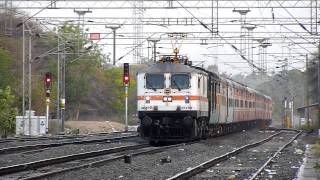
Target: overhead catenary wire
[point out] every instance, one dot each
(24, 21)
(221, 37)
(300, 24)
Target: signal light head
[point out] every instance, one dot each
(48, 80)
(126, 77)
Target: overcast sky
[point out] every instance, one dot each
(282, 38)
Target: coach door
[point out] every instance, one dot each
(214, 116)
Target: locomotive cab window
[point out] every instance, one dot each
(154, 81)
(180, 81)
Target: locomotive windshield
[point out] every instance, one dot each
(154, 81)
(180, 81)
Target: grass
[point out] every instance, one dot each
(316, 152)
(316, 148)
(308, 128)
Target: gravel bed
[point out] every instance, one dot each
(24, 157)
(57, 140)
(243, 165)
(30, 173)
(286, 166)
(151, 166)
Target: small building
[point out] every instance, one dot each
(310, 113)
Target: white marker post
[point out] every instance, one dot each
(47, 113)
(126, 107)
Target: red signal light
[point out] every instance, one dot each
(126, 78)
(48, 80)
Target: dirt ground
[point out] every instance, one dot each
(94, 126)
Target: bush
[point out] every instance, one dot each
(7, 112)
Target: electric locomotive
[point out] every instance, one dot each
(177, 101)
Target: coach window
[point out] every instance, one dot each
(154, 81)
(180, 81)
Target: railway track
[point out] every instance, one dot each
(256, 174)
(62, 159)
(57, 137)
(191, 172)
(118, 153)
(72, 164)
(57, 144)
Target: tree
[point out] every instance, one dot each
(6, 74)
(8, 111)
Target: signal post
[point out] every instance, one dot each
(47, 83)
(126, 80)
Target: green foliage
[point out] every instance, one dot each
(308, 128)
(7, 111)
(117, 95)
(316, 151)
(6, 74)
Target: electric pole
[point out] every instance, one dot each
(154, 48)
(319, 84)
(114, 29)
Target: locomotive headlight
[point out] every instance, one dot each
(186, 99)
(147, 99)
(169, 99)
(165, 99)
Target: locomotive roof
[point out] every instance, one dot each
(169, 67)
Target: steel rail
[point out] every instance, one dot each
(41, 146)
(200, 168)
(254, 175)
(46, 162)
(101, 162)
(57, 137)
(159, 7)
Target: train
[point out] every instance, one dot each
(180, 102)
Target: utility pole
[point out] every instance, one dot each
(243, 13)
(114, 29)
(81, 13)
(307, 91)
(29, 81)
(61, 85)
(292, 119)
(285, 113)
(58, 85)
(319, 84)
(23, 75)
(154, 48)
